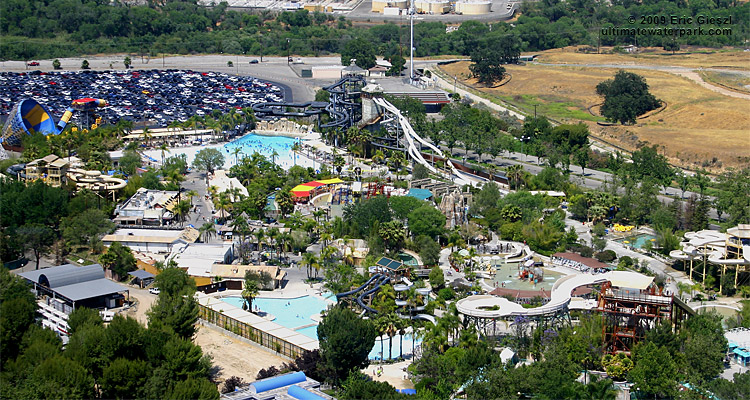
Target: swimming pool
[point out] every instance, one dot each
(291, 313)
(638, 241)
(408, 259)
(265, 145)
(295, 314)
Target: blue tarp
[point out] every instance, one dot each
(279, 381)
(302, 394)
(407, 391)
(421, 194)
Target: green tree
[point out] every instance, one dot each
(119, 259)
(127, 62)
(129, 162)
(655, 372)
(81, 317)
(37, 237)
(62, 378)
(426, 220)
(17, 313)
(194, 388)
(360, 387)
(437, 279)
(429, 250)
(85, 64)
(208, 160)
(361, 50)
(486, 66)
(250, 289)
(392, 234)
(85, 228)
(626, 97)
(345, 342)
(125, 379)
(420, 172)
(56, 64)
(175, 310)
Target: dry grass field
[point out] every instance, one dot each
(698, 128)
(699, 58)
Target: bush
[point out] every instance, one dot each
(231, 384)
(606, 256)
(446, 294)
(625, 262)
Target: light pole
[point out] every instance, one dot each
(455, 80)
(523, 140)
(288, 54)
(411, 42)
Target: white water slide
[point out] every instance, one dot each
(411, 136)
(487, 306)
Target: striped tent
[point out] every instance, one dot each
(303, 190)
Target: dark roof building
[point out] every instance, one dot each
(76, 286)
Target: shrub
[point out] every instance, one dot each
(606, 256)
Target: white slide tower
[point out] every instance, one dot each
(411, 138)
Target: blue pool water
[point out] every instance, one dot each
(297, 314)
(637, 241)
(264, 145)
(290, 313)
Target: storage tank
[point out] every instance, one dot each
(379, 5)
(432, 6)
(473, 7)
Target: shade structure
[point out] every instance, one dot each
(304, 189)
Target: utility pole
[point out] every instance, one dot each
(411, 44)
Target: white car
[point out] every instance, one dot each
(154, 290)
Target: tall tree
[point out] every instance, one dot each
(626, 97)
(345, 342)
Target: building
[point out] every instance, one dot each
(52, 169)
(147, 207)
(224, 184)
(152, 240)
(233, 275)
(76, 286)
(290, 386)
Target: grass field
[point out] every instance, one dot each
(699, 128)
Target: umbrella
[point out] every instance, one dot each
(464, 252)
(303, 190)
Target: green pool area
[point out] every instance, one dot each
(507, 276)
(638, 241)
(408, 259)
(728, 313)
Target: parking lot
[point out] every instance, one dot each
(156, 97)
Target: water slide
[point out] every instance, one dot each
(339, 296)
(94, 180)
(519, 255)
(413, 150)
(698, 244)
(378, 279)
(483, 306)
(29, 116)
(340, 110)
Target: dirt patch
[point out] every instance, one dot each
(700, 128)
(233, 356)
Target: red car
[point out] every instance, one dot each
(33, 64)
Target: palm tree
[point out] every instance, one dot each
(190, 194)
(515, 172)
(181, 211)
(378, 157)
(163, 147)
(146, 134)
(250, 291)
(310, 261)
(381, 325)
(259, 235)
(207, 231)
(235, 152)
(401, 325)
(273, 234)
(273, 156)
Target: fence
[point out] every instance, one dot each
(251, 333)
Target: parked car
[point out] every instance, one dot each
(154, 290)
(253, 61)
(33, 64)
